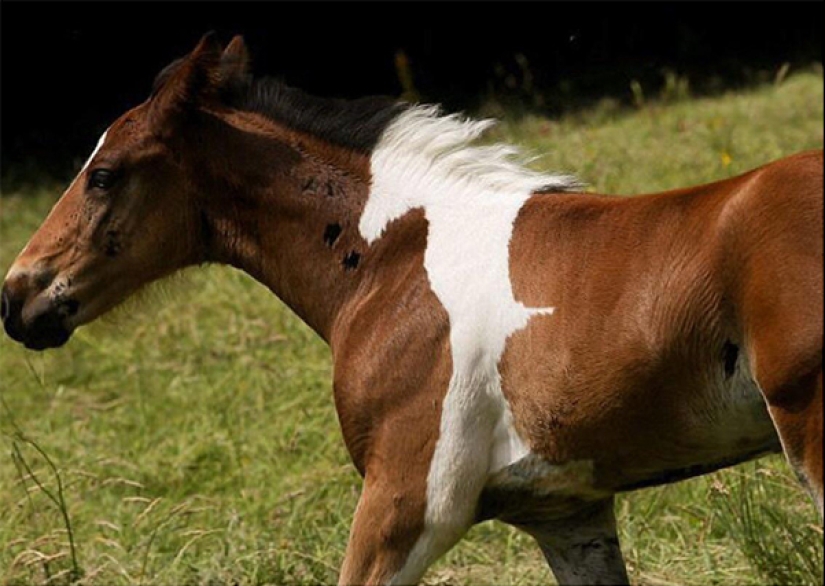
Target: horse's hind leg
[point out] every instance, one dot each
(778, 257)
(786, 359)
(795, 406)
(584, 548)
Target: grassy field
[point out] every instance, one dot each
(192, 439)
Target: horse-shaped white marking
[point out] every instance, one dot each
(471, 197)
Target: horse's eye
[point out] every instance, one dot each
(101, 178)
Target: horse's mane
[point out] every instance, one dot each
(357, 124)
(406, 130)
(431, 145)
(363, 123)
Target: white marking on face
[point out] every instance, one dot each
(97, 148)
(14, 270)
(100, 142)
(471, 197)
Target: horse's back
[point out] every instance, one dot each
(778, 210)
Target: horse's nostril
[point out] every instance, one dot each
(68, 307)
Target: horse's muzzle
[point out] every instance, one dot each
(37, 323)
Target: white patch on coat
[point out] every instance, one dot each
(471, 197)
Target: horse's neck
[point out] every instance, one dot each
(294, 227)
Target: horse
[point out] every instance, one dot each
(505, 345)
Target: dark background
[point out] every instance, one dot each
(70, 68)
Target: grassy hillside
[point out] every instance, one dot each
(192, 437)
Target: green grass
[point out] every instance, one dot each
(192, 438)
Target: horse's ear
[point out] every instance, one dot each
(234, 62)
(187, 82)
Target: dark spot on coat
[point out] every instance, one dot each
(351, 260)
(331, 234)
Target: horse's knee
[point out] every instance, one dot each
(386, 526)
(393, 540)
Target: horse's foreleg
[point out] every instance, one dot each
(387, 523)
(412, 508)
(390, 540)
(583, 548)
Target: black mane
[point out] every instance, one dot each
(355, 124)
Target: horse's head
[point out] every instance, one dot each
(130, 216)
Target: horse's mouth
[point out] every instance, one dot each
(45, 329)
(44, 333)
(51, 338)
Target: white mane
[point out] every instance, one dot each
(423, 155)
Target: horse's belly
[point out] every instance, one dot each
(534, 488)
(718, 424)
(728, 423)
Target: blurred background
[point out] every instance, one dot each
(70, 68)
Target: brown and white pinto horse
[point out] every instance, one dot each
(504, 347)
